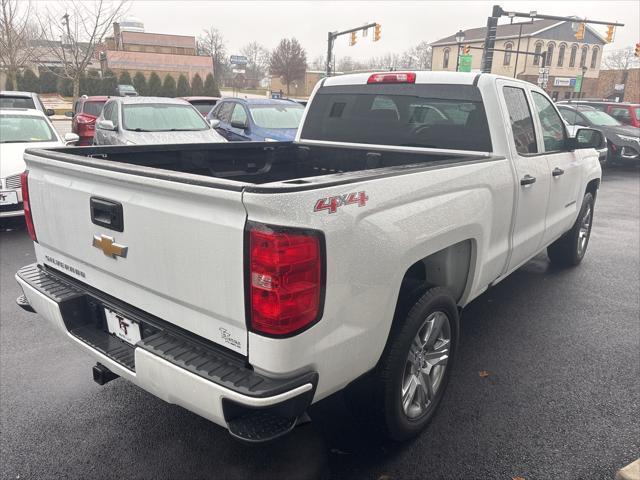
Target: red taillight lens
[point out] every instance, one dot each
(393, 77)
(85, 119)
(286, 280)
(24, 181)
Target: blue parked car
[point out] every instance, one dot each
(257, 120)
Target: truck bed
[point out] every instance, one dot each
(238, 166)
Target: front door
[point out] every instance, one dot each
(532, 174)
(564, 169)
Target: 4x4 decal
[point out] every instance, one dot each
(333, 203)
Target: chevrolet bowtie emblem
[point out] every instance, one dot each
(109, 247)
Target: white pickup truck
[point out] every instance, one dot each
(245, 281)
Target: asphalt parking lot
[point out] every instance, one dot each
(561, 399)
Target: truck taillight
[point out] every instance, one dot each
(285, 279)
(26, 205)
(392, 77)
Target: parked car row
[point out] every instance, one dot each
(623, 139)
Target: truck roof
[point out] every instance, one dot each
(458, 78)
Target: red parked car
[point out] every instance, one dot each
(85, 111)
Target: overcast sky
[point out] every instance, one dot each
(404, 24)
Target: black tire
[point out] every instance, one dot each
(569, 249)
(379, 398)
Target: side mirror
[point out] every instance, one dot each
(238, 124)
(587, 138)
(214, 122)
(71, 138)
(50, 112)
(69, 114)
(106, 125)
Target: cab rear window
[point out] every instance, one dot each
(426, 116)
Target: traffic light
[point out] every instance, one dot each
(377, 32)
(467, 49)
(610, 31)
(637, 54)
(580, 32)
(353, 40)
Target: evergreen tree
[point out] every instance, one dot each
(65, 87)
(210, 87)
(169, 86)
(48, 82)
(140, 83)
(94, 83)
(125, 78)
(109, 83)
(19, 82)
(183, 90)
(197, 88)
(30, 82)
(9, 84)
(154, 86)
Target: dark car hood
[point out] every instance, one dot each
(612, 132)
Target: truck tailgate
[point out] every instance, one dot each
(184, 257)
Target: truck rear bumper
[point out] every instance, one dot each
(171, 364)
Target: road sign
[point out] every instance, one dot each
(238, 60)
(465, 63)
(578, 86)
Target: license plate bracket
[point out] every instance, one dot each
(122, 327)
(9, 197)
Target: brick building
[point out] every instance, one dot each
(619, 84)
(139, 51)
(566, 56)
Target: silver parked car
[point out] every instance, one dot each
(144, 120)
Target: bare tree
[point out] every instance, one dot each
(418, 57)
(257, 59)
(288, 61)
(211, 43)
(72, 29)
(319, 63)
(16, 32)
(622, 59)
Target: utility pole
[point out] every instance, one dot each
(331, 37)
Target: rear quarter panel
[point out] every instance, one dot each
(369, 249)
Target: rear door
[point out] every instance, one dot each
(564, 167)
(532, 173)
(184, 243)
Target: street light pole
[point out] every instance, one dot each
(459, 40)
(584, 70)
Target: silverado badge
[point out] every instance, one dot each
(109, 247)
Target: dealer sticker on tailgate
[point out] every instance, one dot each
(122, 327)
(8, 198)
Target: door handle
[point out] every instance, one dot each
(557, 172)
(527, 180)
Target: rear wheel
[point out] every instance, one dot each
(410, 380)
(569, 249)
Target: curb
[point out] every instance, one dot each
(630, 472)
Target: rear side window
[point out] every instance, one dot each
(426, 116)
(524, 133)
(621, 114)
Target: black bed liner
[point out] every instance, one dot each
(261, 167)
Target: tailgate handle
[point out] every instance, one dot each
(107, 213)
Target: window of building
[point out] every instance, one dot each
(550, 48)
(561, 51)
(445, 58)
(538, 51)
(521, 120)
(594, 57)
(583, 56)
(507, 54)
(572, 58)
